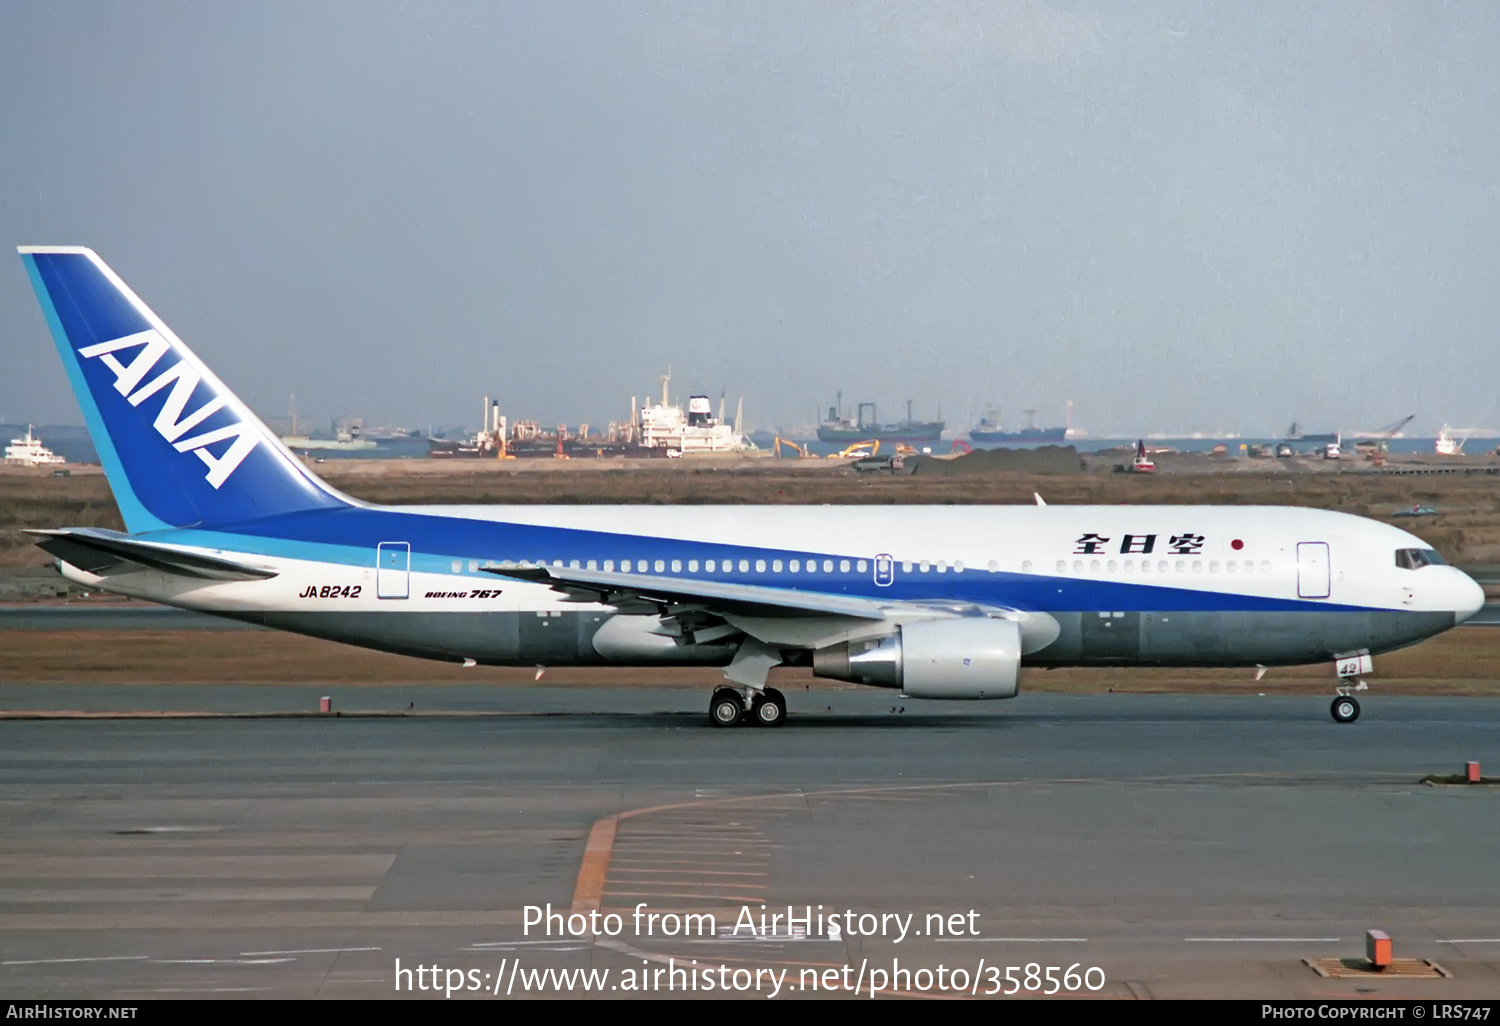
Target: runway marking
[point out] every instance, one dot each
(1262, 940)
(58, 961)
(1472, 940)
(173, 895)
(250, 867)
(1012, 940)
(588, 892)
(306, 951)
(221, 961)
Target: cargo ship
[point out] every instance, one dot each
(865, 426)
(989, 430)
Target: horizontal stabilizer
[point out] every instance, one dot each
(101, 552)
(747, 599)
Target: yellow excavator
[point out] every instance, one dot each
(858, 451)
(800, 450)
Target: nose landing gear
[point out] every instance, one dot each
(1345, 708)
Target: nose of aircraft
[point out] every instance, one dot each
(1468, 596)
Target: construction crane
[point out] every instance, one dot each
(1384, 434)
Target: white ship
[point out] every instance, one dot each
(1448, 443)
(30, 452)
(696, 432)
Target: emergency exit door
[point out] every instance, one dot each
(1313, 573)
(393, 570)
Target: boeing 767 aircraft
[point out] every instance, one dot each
(936, 601)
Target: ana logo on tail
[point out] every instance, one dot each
(170, 422)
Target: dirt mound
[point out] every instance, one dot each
(1044, 459)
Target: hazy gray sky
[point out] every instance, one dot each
(1180, 216)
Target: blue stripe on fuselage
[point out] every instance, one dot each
(348, 537)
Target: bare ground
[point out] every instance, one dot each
(1461, 662)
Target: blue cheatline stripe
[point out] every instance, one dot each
(349, 536)
(136, 517)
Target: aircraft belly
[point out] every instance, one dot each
(1212, 638)
(499, 638)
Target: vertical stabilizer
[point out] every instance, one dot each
(178, 447)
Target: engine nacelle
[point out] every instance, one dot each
(972, 657)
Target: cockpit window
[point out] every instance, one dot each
(1416, 559)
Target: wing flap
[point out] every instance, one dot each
(718, 596)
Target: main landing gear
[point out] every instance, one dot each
(727, 708)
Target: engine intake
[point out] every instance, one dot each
(969, 658)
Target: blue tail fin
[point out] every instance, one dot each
(178, 447)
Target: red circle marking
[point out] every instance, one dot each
(1236, 545)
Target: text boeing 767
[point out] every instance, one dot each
(939, 602)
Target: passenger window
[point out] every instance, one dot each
(1197, 566)
(573, 563)
(557, 562)
(677, 566)
(958, 567)
(1112, 566)
(1093, 566)
(458, 566)
(692, 566)
(1265, 566)
(828, 566)
(1229, 566)
(861, 566)
(924, 566)
(473, 566)
(795, 566)
(906, 566)
(843, 566)
(1129, 566)
(1181, 565)
(609, 566)
(942, 566)
(593, 564)
(708, 565)
(994, 567)
(1145, 566)
(775, 566)
(660, 566)
(760, 566)
(1026, 566)
(1062, 566)
(1213, 566)
(744, 566)
(1078, 566)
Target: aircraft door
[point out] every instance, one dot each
(885, 570)
(1313, 572)
(393, 570)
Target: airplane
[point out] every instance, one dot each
(938, 602)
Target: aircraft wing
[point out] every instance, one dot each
(719, 597)
(102, 552)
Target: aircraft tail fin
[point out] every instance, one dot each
(179, 449)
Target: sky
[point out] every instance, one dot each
(1181, 217)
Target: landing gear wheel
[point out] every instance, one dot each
(1345, 709)
(726, 708)
(768, 709)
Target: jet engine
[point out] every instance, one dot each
(972, 657)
